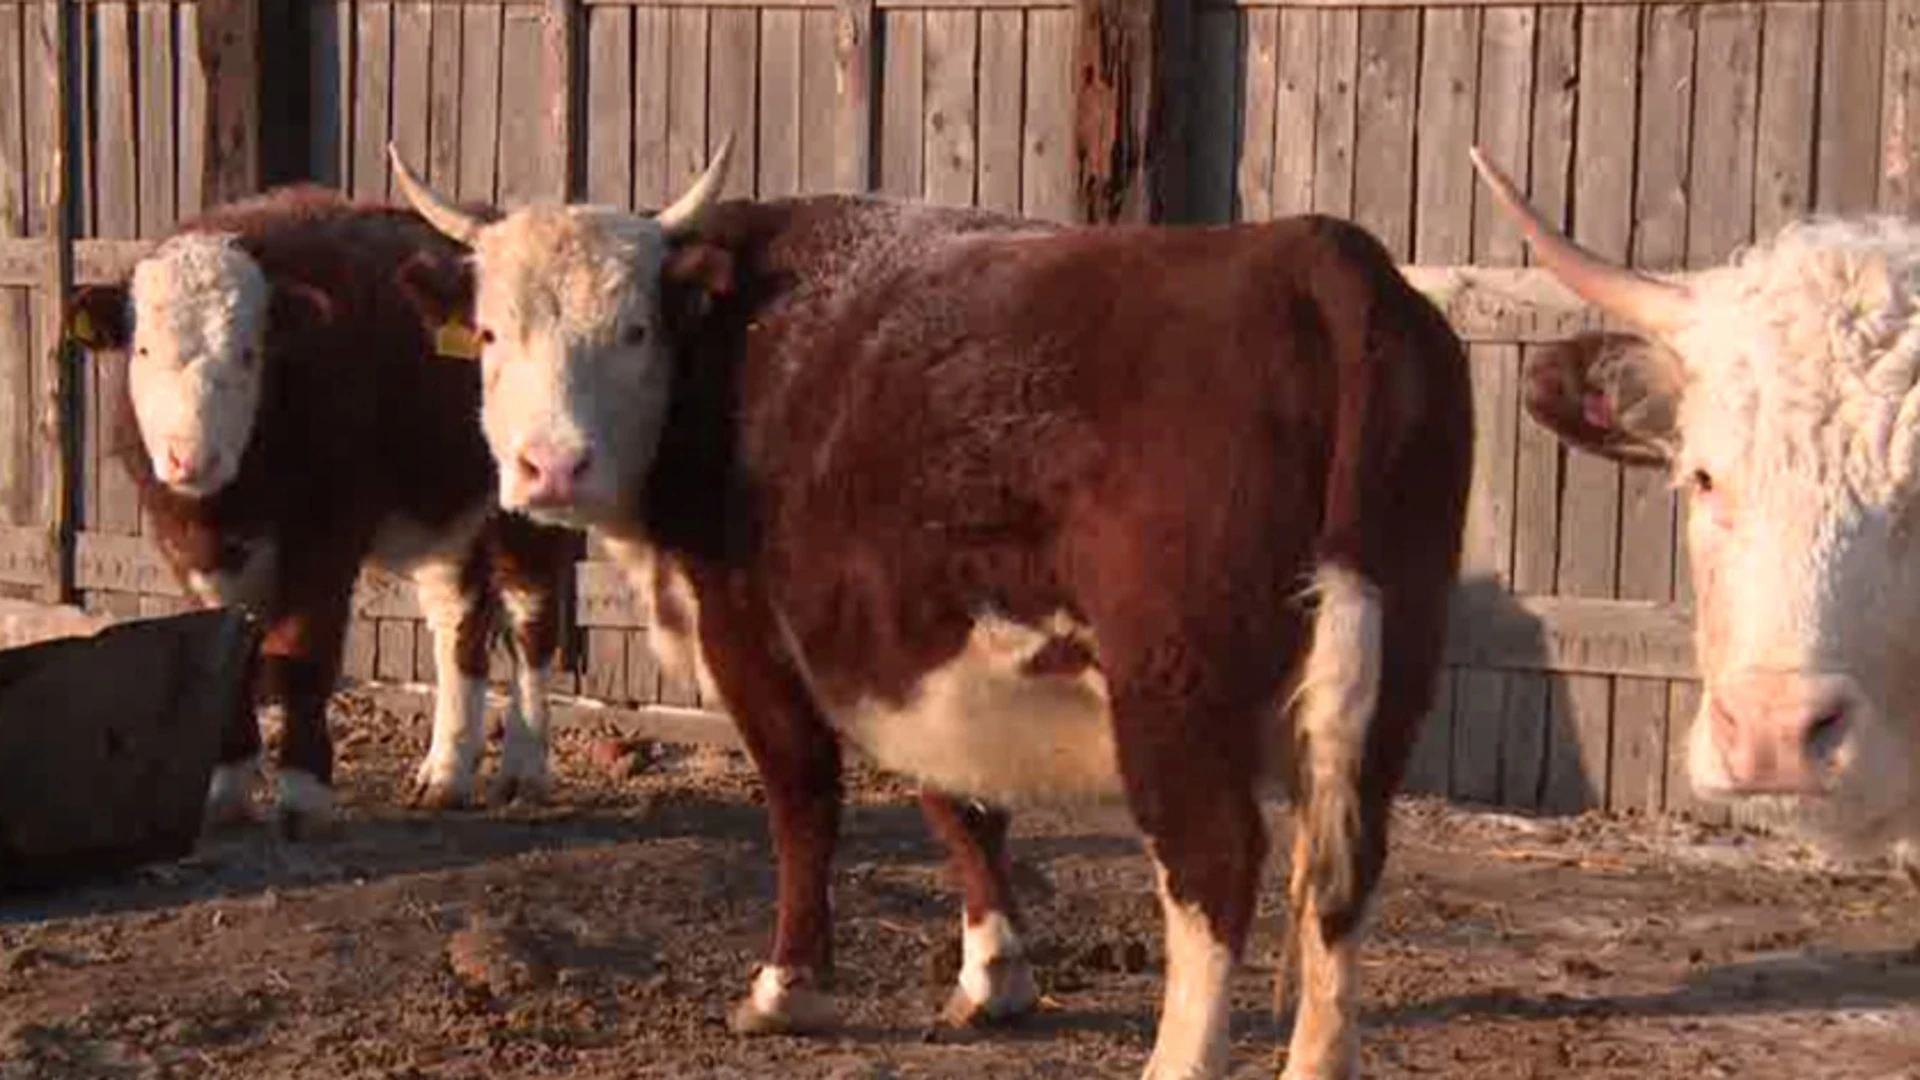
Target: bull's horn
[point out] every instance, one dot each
(439, 211)
(685, 213)
(1654, 305)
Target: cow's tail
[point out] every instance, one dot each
(1332, 705)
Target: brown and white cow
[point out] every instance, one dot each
(286, 418)
(1026, 512)
(1782, 391)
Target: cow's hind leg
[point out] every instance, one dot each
(528, 564)
(453, 597)
(1189, 772)
(996, 979)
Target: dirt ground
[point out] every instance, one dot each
(609, 935)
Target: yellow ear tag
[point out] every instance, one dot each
(456, 339)
(82, 328)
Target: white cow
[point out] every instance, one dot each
(1782, 390)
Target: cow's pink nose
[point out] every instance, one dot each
(1778, 733)
(183, 465)
(549, 472)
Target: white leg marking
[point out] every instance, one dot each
(305, 804)
(1326, 1038)
(230, 792)
(445, 776)
(1192, 1040)
(524, 770)
(996, 980)
(783, 1000)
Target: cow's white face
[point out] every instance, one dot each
(198, 328)
(1783, 393)
(575, 367)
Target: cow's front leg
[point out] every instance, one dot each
(244, 580)
(299, 667)
(740, 645)
(996, 979)
(452, 597)
(528, 567)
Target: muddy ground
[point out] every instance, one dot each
(609, 935)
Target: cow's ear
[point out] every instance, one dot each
(439, 286)
(296, 303)
(1612, 394)
(694, 274)
(97, 317)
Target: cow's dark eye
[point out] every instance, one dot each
(486, 336)
(634, 335)
(1702, 481)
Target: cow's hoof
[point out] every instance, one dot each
(230, 795)
(1009, 993)
(304, 808)
(435, 789)
(530, 788)
(784, 1001)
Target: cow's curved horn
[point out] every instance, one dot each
(1654, 305)
(685, 213)
(439, 211)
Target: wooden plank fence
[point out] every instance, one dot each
(1668, 134)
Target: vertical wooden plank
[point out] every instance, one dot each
(190, 183)
(412, 64)
(1296, 75)
(1428, 763)
(423, 664)
(609, 105)
(116, 503)
(605, 675)
(1260, 96)
(781, 104)
(442, 161)
(368, 175)
(652, 74)
(159, 168)
(49, 76)
(952, 55)
(1333, 114)
(1900, 109)
(1783, 151)
(560, 91)
(1448, 96)
(16, 314)
(686, 98)
(1468, 733)
(818, 103)
(1590, 495)
(1638, 751)
(1216, 115)
(1536, 745)
(480, 81)
(1852, 51)
(856, 79)
(1133, 91)
(528, 153)
(394, 661)
(1003, 54)
(902, 104)
(1047, 167)
(1383, 157)
(361, 645)
(1725, 100)
(730, 104)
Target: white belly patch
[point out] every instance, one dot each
(983, 726)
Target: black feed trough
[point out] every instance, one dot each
(108, 735)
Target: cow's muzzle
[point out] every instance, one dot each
(1781, 733)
